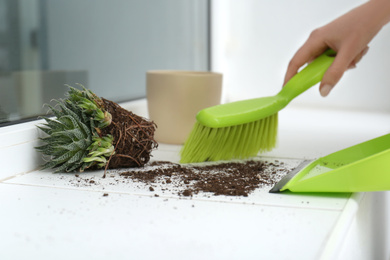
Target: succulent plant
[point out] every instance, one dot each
(84, 134)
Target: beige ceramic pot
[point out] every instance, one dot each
(175, 97)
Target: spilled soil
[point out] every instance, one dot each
(230, 179)
(158, 177)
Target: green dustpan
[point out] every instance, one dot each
(359, 168)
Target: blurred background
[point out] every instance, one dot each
(105, 45)
(109, 45)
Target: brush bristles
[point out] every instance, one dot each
(234, 142)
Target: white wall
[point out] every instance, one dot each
(253, 41)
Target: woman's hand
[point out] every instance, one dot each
(348, 35)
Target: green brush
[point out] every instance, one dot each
(242, 129)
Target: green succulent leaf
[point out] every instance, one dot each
(72, 140)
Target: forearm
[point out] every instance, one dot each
(381, 9)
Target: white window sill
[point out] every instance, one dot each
(46, 216)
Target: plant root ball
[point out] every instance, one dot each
(133, 137)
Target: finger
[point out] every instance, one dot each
(345, 56)
(358, 58)
(312, 48)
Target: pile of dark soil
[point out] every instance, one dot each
(230, 178)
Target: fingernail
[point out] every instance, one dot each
(324, 91)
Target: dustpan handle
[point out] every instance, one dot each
(308, 77)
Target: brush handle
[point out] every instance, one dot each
(308, 77)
